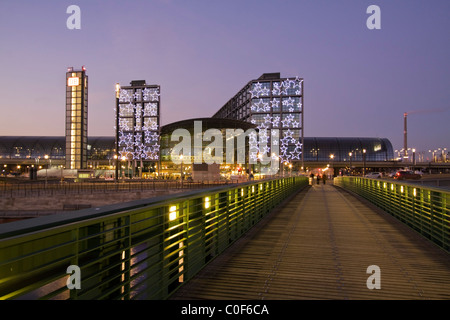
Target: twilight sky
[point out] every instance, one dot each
(358, 82)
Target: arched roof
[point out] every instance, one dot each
(314, 149)
(321, 149)
(207, 123)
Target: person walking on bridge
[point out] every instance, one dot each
(324, 178)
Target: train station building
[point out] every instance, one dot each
(268, 110)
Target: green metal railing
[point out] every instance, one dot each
(144, 249)
(425, 209)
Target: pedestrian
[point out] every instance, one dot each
(318, 179)
(324, 178)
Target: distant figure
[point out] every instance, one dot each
(318, 179)
(324, 178)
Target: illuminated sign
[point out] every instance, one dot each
(74, 81)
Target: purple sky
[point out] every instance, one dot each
(358, 82)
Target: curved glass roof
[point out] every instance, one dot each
(347, 149)
(315, 148)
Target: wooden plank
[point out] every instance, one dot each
(318, 246)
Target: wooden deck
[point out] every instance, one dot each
(318, 245)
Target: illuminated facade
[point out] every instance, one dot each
(347, 151)
(138, 122)
(76, 118)
(275, 106)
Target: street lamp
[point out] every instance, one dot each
(116, 169)
(181, 170)
(332, 164)
(46, 168)
(364, 159)
(123, 168)
(116, 157)
(414, 158)
(350, 155)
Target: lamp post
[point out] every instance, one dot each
(364, 160)
(350, 155)
(123, 168)
(46, 168)
(181, 170)
(116, 157)
(414, 158)
(116, 168)
(332, 164)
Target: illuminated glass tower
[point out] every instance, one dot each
(76, 118)
(138, 123)
(271, 102)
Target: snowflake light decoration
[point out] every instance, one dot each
(279, 102)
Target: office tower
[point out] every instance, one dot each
(76, 118)
(271, 102)
(138, 123)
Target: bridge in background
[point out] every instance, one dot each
(270, 239)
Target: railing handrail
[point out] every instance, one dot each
(50, 221)
(143, 248)
(425, 209)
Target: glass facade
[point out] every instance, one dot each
(348, 149)
(76, 118)
(138, 121)
(240, 151)
(271, 102)
(271, 105)
(26, 147)
(103, 148)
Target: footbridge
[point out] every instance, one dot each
(351, 238)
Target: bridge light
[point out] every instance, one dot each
(207, 202)
(172, 213)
